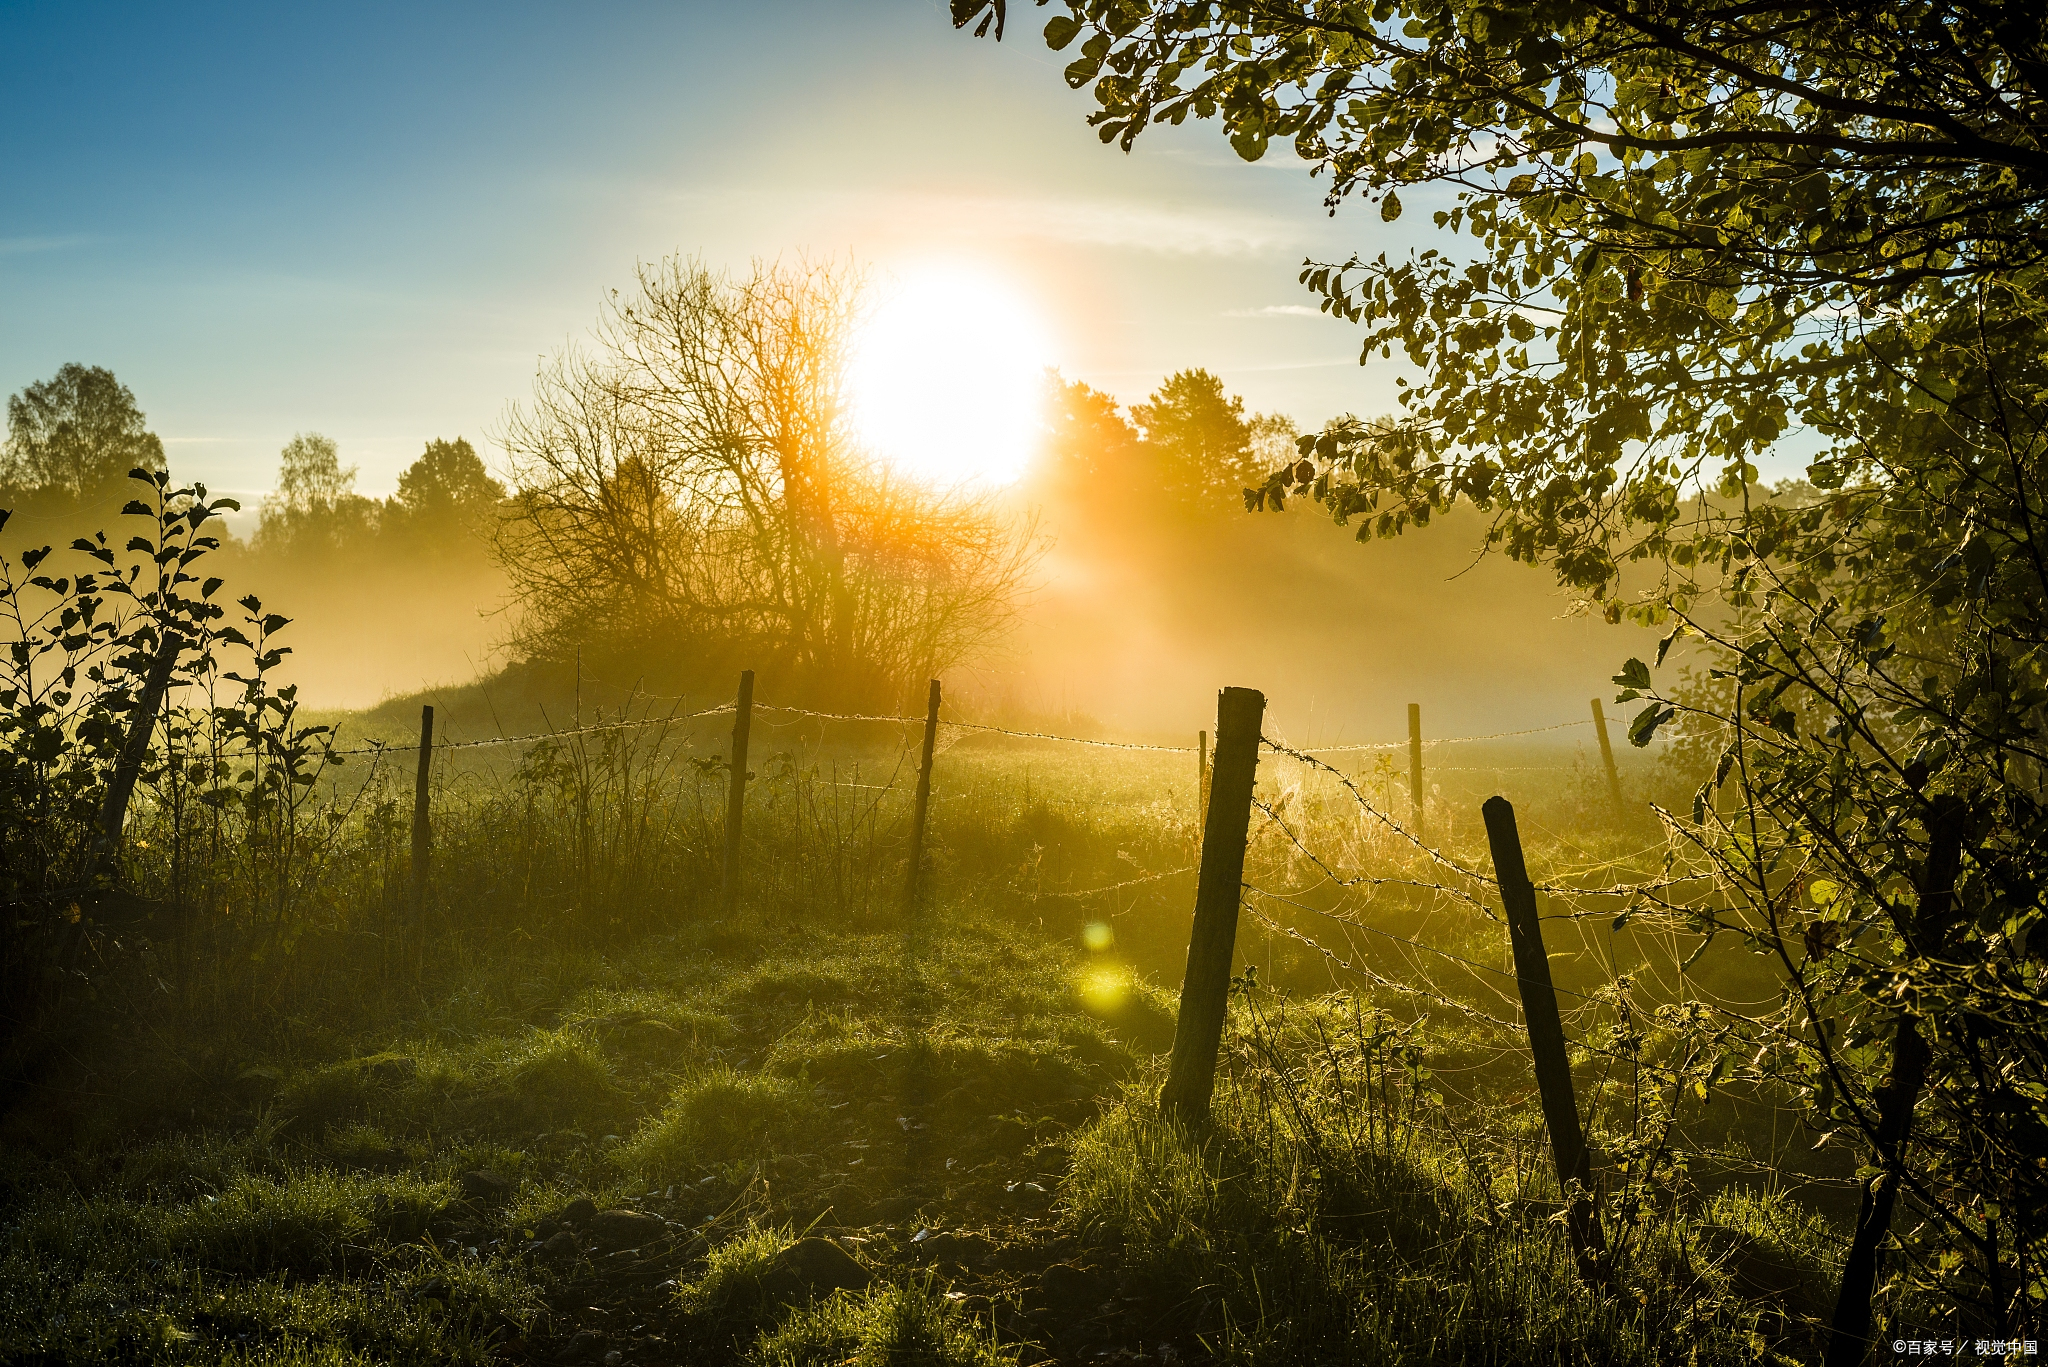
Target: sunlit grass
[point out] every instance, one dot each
(287, 1172)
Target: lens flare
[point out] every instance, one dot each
(1104, 986)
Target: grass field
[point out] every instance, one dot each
(578, 1116)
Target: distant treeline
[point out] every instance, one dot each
(668, 525)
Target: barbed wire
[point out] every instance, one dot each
(1635, 889)
(388, 747)
(1116, 887)
(1506, 973)
(986, 728)
(982, 728)
(1369, 746)
(1367, 880)
(1360, 798)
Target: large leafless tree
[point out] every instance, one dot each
(691, 491)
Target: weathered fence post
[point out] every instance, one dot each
(1415, 766)
(135, 745)
(1607, 757)
(121, 788)
(736, 792)
(1201, 774)
(1849, 1339)
(1546, 1040)
(913, 878)
(422, 825)
(1205, 988)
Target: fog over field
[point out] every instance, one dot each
(998, 685)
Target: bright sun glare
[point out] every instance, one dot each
(947, 378)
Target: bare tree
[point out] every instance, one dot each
(691, 481)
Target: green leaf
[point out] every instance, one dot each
(1059, 31)
(1643, 729)
(1634, 674)
(1390, 207)
(1664, 645)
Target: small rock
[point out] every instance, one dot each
(577, 1211)
(559, 1249)
(616, 1229)
(484, 1185)
(584, 1344)
(614, 1358)
(813, 1267)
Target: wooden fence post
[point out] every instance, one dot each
(1849, 1337)
(135, 746)
(1201, 774)
(1205, 988)
(1415, 766)
(1546, 1040)
(422, 826)
(913, 878)
(1607, 757)
(736, 792)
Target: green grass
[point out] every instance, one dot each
(271, 1163)
(899, 1325)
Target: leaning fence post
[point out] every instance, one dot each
(1205, 989)
(422, 826)
(1607, 757)
(736, 792)
(1546, 1040)
(135, 745)
(1848, 1340)
(1415, 765)
(913, 879)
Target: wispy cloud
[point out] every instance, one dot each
(1275, 311)
(1111, 223)
(1065, 219)
(21, 246)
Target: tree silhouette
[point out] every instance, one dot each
(76, 434)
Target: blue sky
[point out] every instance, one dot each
(370, 220)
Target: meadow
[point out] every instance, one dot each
(567, 1109)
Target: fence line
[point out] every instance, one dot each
(1368, 746)
(1309, 757)
(987, 728)
(386, 747)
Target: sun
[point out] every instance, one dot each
(947, 377)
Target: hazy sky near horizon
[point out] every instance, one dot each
(371, 221)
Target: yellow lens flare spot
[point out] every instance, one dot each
(947, 378)
(1098, 936)
(1104, 986)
